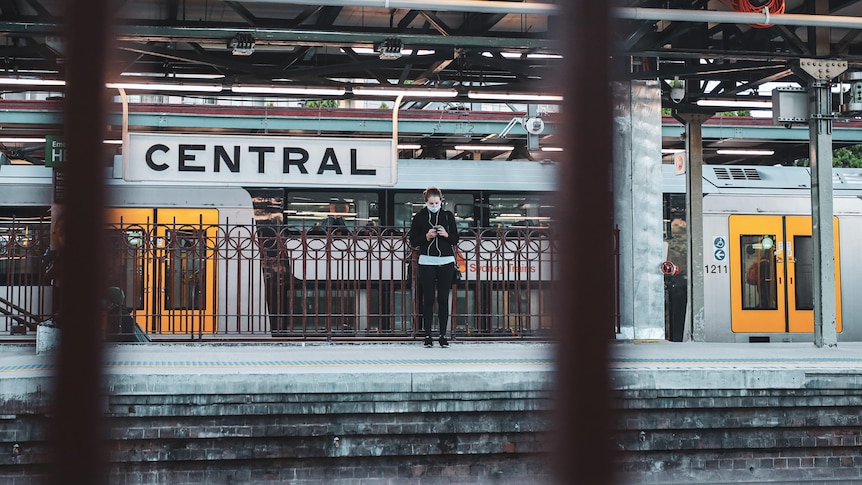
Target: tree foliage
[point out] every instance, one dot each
(844, 157)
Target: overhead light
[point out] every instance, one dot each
(672, 151)
(14, 81)
(289, 90)
(112, 142)
(409, 146)
(552, 149)
(745, 152)
(406, 92)
(242, 44)
(390, 48)
(12, 139)
(734, 103)
(483, 148)
(511, 96)
(171, 87)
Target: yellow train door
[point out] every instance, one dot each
(771, 274)
(800, 275)
(165, 263)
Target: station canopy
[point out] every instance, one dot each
(453, 52)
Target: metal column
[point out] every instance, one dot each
(823, 231)
(638, 208)
(694, 223)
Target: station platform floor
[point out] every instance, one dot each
(643, 364)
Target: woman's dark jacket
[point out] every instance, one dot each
(439, 246)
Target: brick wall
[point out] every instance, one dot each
(739, 435)
(497, 436)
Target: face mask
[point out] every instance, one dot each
(433, 208)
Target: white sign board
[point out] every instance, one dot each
(258, 160)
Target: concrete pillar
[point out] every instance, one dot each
(638, 208)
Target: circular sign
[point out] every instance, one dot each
(669, 268)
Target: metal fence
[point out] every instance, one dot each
(238, 282)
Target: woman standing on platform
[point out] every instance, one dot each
(433, 232)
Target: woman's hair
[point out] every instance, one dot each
(432, 191)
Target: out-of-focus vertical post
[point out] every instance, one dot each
(585, 218)
(78, 440)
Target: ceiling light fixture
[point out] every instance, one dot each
(734, 103)
(16, 81)
(484, 148)
(731, 151)
(409, 146)
(510, 96)
(170, 87)
(393, 92)
(13, 139)
(552, 149)
(288, 90)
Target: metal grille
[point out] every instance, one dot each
(236, 282)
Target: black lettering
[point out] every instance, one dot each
(221, 154)
(158, 167)
(188, 157)
(354, 170)
(299, 162)
(261, 156)
(329, 162)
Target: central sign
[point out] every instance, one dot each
(259, 160)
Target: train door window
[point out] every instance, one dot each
(185, 272)
(804, 273)
(351, 211)
(22, 244)
(758, 270)
(126, 264)
(514, 210)
(408, 204)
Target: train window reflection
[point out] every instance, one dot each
(407, 205)
(125, 264)
(22, 244)
(185, 271)
(758, 272)
(351, 211)
(519, 210)
(804, 278)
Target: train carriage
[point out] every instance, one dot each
(256, 260)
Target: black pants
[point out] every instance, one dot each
(435, 279)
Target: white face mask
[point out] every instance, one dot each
(433, 208)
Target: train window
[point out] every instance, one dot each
(126, 264)
(407, 205)
(22, 244)
(326, 210)
(758, 272)
(185, 271)
(804, 277)
(530, 210)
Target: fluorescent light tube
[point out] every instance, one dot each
(289, 90)
(171, 87)
(731, 151)
(507, 96)
(734, 103)
(11, 81)
(406, 92)
(473, 148)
